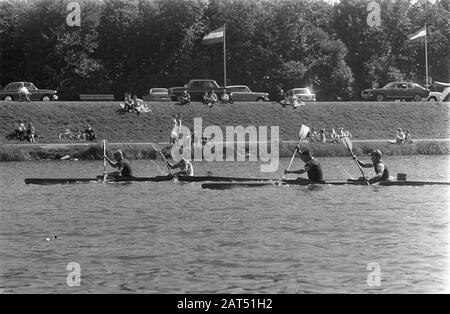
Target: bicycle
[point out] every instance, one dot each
(69, 135)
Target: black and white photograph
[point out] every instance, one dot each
(224, 152)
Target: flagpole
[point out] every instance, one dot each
(224, 59)
(426, 59)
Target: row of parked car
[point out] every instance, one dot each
(197, 87)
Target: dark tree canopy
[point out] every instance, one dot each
(132, 45)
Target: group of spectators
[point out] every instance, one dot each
(133, 104)
(324, 136)
(284, 101)
(403, 137)
(27, 132)
(211, 98)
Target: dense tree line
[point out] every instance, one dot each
(136, 44)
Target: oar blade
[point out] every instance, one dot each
(348, 143)
(303, 133)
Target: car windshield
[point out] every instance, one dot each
(302, 91)
(158, 90)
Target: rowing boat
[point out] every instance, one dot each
(49, 181)
(232, 185)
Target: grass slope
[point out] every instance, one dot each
(366, 120)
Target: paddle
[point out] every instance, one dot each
(349, 145)
(302, 133)
(104, 161)
(164, 158)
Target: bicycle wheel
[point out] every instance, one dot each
(63, 136)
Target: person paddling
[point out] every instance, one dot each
(123, 165)
(186, 168)
(381, 171)
(312, 166)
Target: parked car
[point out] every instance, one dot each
(396, 90)
(303, 94)
(243, 93)
(10, 92)
(434, 96)
(157, 94)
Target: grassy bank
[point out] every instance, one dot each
(366, 120)
(146, 151)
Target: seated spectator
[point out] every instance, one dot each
(20, 130)
(31, 132)
(225, 98)
(340, 132)
(213, 96)
(210, 98)
(128, 105)
(400, 136)
(205, 100)
(334, 136)
(322, 136)
(280, 97)
(24, 92)
(408, 138)
(295, 102)
(138, 105)
(185, 99)
(314, 137)
(89, 133)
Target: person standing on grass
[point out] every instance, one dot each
(176, 127)
(23, 91)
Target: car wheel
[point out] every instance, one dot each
(417, 98)
(432, 99)
(380, 97)
(45, 98)
(8, 98)
(259, 100)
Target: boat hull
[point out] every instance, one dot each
(49, 181)
(233, 185)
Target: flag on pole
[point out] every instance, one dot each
(216, 36)
(419, 34)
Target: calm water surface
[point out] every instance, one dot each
(177, 238)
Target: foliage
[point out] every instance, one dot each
(132, 45)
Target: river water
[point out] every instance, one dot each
(178, 238)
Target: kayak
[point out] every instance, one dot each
(49, 181)
(232, 185)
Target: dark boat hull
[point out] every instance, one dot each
(232, 185)
(49, 181)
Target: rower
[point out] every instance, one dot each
(381, 171)
(186, 168)
(312, 166)
(123, 165)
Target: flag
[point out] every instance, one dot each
(216, 36)
(419, 34)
